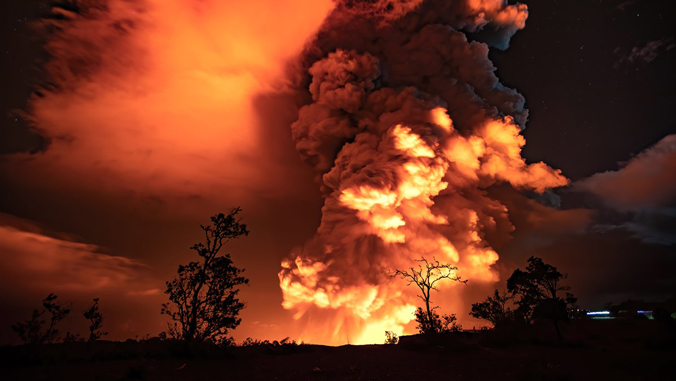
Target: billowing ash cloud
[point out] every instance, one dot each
(407, 127)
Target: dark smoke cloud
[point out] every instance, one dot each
(407, 128)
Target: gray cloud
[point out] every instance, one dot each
(640, 197)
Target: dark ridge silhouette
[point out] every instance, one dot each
(627, 349)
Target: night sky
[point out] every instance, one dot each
(598, 81)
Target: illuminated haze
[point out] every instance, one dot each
(169, 84)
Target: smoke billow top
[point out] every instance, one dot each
(407, 128)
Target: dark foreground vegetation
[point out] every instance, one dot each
(538, 334)
(623, 349)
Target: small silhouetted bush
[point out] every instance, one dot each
(72, 338)
(31, 331)
(391, 337)
(95, 317)
(449, 323)
(432, 323)
(284, 346)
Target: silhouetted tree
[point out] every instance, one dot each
(538, 288)
(95, 317)
(426, 276)
(31, 332)
(204, 294)
(494, 308)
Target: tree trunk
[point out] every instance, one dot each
(430, 326)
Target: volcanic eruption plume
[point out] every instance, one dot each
(407, 128)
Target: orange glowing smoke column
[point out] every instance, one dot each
(407, 127)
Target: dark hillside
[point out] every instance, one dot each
(596, 350)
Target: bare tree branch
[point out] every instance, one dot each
(426, 276)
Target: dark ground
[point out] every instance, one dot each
(594, 350)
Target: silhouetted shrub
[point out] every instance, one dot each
(31, 331)
(391, 338)
(284, 346)
(93, 314)
(72, 338)
(449, 323)
(494, 309)
(432, 323)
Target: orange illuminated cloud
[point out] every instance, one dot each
(35, 263)
(31, 260)
(156, 97)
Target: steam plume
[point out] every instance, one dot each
(407, 127)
